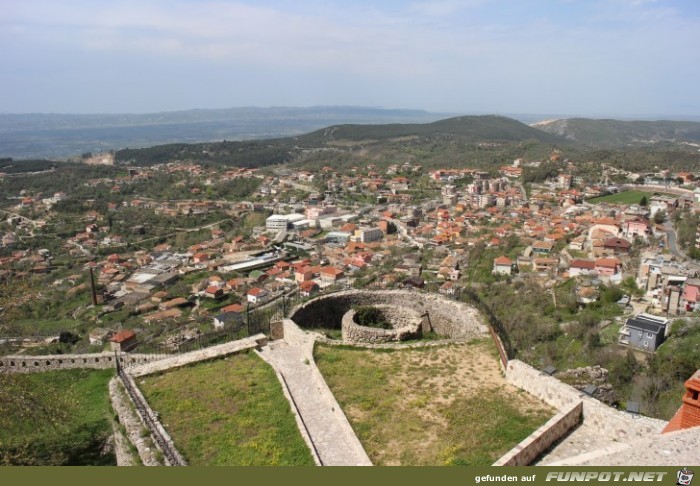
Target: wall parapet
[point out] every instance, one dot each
(540, 440)
(36, 364)
(609, 422)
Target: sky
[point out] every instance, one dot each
(585, 57)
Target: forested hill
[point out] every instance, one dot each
(259, 153)
(619, 134)
(472, 129)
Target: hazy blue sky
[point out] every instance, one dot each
(591, 57)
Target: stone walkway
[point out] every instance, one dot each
(330, 432)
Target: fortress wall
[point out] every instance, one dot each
(609, 422)
(449, 318)
(540, 440)
(35, 364)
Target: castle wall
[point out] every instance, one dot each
(449, 318)
(607, 421)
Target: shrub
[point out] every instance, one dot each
(370, 316)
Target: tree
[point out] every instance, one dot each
(659, 216)
(644, 202)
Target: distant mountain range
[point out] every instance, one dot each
(57, 136)
(619, 134)
(62, 136)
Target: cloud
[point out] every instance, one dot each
(443, 52)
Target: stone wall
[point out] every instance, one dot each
(232, 347)
(405, 322)
(448, 318)
(540, 440)
(34, 364)
(608, 422)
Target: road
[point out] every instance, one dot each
(673, 246)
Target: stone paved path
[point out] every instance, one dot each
(329, 429)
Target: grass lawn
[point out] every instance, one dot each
(624, 197)
(56, 418)
(435, 406)
(228, 412)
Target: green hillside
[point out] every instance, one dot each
(616, 133)
(467, 128)
(261, 153)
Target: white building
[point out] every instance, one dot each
(282, 222)
(368, 235)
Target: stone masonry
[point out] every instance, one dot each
(455, 320)
(406, 324)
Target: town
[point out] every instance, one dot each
(164, 254)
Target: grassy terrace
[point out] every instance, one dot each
(227, 412)
(56, 418)
(433, 406)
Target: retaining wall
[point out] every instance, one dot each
(540, 440)
(608, 422)
(449, 318)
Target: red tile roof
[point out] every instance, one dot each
(123, 336)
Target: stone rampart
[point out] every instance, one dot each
(608, 422)
(405, 323)
(35, 364)
(232, 347)
(448, 318)
(540, 440)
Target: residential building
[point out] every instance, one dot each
(124, 340)
(502, 265)
(256, 295)
(581, 267)
(644, 331)
(368, 235)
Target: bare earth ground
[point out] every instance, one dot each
(443, 405)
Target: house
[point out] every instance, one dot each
(543, 264)
(542, 247)
(644, 331)
(502, 265)
(213, 292)
(331, 274)
(308, 289)
(691, 294)
(617, 245)
(227, 318)
(257, 295)
(124, 340)
(581, 267)
(237, 308)
(635, 227)
(607, 267)
(578, 243)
